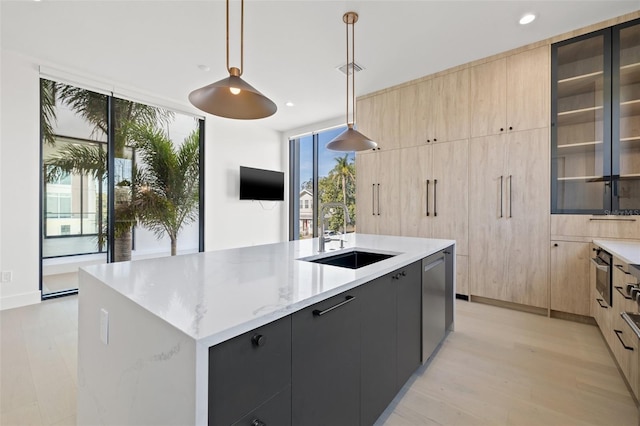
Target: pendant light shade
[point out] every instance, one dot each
(232, 97)
(351, 139)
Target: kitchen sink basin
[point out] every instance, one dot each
(353, 259)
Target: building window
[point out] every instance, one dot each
(320, 176)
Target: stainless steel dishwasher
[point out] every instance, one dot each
(433, 303)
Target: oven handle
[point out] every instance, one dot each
(600, 264)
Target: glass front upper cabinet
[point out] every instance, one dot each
(595, 129)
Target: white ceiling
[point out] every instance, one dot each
(291, 47)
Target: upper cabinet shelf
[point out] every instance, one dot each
(595, 133)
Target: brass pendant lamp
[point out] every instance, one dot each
(232, 97)
(351, 139)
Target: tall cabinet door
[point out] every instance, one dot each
(366, 180)
(488, 98)
(415, 166)
(527, 217)
(449, 196)
(388, 192)
(414, 113)
(487, 230)
(528, 89)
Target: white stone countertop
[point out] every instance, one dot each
(214, 296)
(627, 251)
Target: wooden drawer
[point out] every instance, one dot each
(248, 370)
(595, 226)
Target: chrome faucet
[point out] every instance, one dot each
(322, 220)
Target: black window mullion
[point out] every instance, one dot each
(294, 189)
(111, 151)
(316, 198)
(201, 205)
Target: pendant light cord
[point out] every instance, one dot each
(350, 20)
(241, 37)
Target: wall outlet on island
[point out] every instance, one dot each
(6, 276)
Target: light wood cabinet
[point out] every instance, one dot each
(377, 193)
(509, 217)
(434, 192)
(435, 110)
(378, 118)
(570, 277)
(462, 275)
(510, 94)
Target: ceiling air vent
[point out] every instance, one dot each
(347, 68)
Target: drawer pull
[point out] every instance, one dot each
(618, 333)
(622, 293)
(318, 312)
(613, 220)
(258, 340)
(600, 303)
(622, 269)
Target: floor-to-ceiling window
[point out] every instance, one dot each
(121, 180)
(320, 176)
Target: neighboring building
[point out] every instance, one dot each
(306, 213)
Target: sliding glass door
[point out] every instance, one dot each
(121, 181)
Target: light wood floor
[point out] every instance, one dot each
(500, 367)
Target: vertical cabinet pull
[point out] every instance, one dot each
(378, 199)
(435, 197)
(510, 199)
(373, 199)
(427, 203)
(501, 181)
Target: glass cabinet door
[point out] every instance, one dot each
(626, 117)
(581, 167)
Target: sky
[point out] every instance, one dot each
(326, 158)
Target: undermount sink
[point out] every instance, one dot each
(352, 259)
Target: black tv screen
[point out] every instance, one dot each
(260, 184)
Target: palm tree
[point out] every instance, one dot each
(166, 193)
(343, 174)
(91, 160)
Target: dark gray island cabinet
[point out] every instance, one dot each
(262, 335)
(338, 362)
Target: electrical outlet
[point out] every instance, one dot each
(7, 277)
(104, 326)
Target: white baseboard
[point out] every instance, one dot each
(18, 300)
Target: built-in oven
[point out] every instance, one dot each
(603, 261)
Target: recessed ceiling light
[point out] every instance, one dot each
(289, 104)
(527, 19)
(202, 67)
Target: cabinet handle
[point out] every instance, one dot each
(618, 333)
(622, 293)
(435, 140)
(613, 220)
(258, 340)
(502, 129)
(378, 199)
(510, 203)
(435, 197)
(622, 269)
(600, 303)
(501, 181)
(258, 422)
(510, 128)
(427, 197)
(373, 198)
(318, 312)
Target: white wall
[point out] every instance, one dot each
(229, 222)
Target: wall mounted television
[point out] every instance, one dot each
(260, 184)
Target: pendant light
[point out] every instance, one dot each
(232, 97)
(351, 139)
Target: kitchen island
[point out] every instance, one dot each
(146, 328)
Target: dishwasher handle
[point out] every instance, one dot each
(432, 265)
